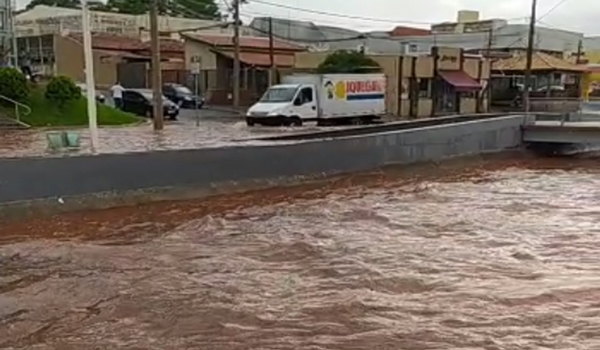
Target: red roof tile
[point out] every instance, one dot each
(245, 42)
(261, 59)
(409, 31)
(112, 42)
(170, 45)
(104, 41)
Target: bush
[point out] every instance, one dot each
(62, 90)
(13, 84)
(348, 62)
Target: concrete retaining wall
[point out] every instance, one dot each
(113, 179)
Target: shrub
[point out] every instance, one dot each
(62, 90)
(13, 84)
(348, 62)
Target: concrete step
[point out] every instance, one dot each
(7, 123)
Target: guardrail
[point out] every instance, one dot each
(388, 127)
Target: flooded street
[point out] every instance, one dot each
(496, 254)
(185, 133)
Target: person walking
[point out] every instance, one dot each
(117, 95)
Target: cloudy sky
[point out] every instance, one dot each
(576, 15)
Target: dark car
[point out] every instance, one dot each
(182, 96)
(99, 96)
(140, 101)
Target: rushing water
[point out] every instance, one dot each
(500, 255)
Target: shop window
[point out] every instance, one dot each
(424, 88)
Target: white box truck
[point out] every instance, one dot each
(327, 98)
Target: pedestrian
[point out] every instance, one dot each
(117, 95)
(25, 62)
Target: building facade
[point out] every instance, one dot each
(442, 82)
(212, 56)
(57, 20)
(7, 50)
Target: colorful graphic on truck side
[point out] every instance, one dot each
(353, 90)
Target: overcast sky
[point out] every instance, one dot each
(577, 15)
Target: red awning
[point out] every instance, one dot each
(460, 80)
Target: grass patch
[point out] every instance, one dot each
(46, 113)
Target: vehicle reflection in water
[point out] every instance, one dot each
(499, 255)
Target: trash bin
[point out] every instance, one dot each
(56, 140)
(73, 139)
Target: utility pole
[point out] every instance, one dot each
(490, 43)
(530, 42)
(236, 53)
(579, 52)
(89, 75)
(271, 54)
(13, 29)
(157, 102)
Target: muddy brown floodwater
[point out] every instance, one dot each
(503, 254)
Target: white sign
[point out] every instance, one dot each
(195, 64)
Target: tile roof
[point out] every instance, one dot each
(409, 31)
(540, 62)
(261, 59)
(245, 42)
(112, 42)
(103, 41)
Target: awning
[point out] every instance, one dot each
(460, 80)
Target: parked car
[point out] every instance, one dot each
(100, 98)
(140, 102)
(182, 96)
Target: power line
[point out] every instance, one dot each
(551, 10)
(339, 15)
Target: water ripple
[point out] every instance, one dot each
(503, 259)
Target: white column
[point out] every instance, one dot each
(89, 75)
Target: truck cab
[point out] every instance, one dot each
(285, 104)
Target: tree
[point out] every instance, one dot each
(203, 9)
(94, 4)
(343, 61)
(59, 3)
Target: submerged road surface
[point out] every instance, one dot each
(499, 255)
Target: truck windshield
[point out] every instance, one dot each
(279, 94)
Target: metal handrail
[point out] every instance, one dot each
(17, 105)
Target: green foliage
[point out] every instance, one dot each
(13, 84)
(94, 5)
(74, 113)
(204, 9)
(348, 62)
(62, 90)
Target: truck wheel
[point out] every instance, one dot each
(296, 121)
(250, 121)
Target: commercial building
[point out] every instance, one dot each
(7, 52)
(212, 56)
(59, 20)
(444, 81)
